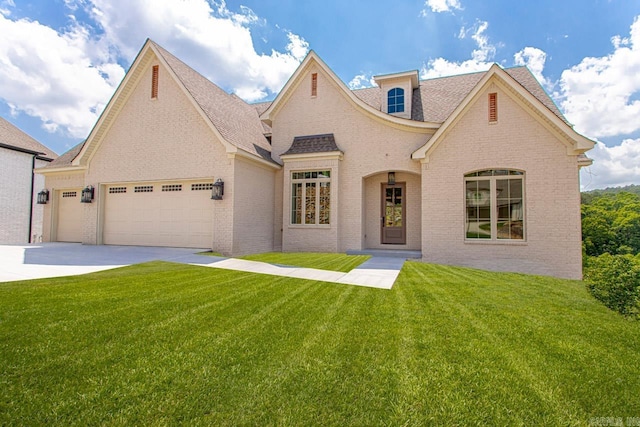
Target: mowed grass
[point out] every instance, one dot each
(164, 344)
(322, 261)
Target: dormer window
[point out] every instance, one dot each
(396, 91)
(395, 100)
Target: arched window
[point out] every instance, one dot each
(494, 204)
(395, 100)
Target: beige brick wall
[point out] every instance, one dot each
(15, 196)
(552, 199)
(253, 208)
(278, 224)
(369, 145)
(38, 210)
(160, 139)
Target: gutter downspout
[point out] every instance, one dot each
(33, 177)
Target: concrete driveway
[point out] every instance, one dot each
(24, 262)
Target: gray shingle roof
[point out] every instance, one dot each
(523, 76)
(66, 158)
(239, 123)
(312, 144)
(435, 99)
(11, 136)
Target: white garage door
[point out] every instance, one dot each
(69, 216)
(159, 214)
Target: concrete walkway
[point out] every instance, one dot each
(24, 262)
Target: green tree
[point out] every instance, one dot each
(611, 224)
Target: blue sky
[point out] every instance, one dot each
(61, 60)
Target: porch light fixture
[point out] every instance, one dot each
(218, 190)
(87, 194)
(391, 178)
(43, 197)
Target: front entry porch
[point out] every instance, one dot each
(392, 212)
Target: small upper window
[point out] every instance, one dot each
(395, 100)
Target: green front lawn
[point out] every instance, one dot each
(164, 344)
(322, 261)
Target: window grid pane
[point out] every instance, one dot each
(310, 203)
(395, 101)
(324, 204)
(509, 209)
(478, 207)
(296, 204)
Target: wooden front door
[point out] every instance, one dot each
(394, 230)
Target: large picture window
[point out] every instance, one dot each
(311, 197)
(494, 204)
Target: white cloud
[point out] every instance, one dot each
(613, 166)
(439, 6)
(480, 58)
(66, 77)
(361, 81)
(599, 95)
(5, 6)
(534, 59)
(215, 41)
(486, 50)
(62, 78)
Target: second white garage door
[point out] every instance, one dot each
(159, 214)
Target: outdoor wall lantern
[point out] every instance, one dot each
(391, 178)
(87, 194)
(218, 190)
(43, 197)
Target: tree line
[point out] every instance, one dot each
(611, 247)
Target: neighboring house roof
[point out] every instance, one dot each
(312, 144)
(14, 139)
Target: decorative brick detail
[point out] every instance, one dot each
(314, 84)
(493, 107)
(154, 81)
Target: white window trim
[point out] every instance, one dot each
(304, 181)
(493, 203)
